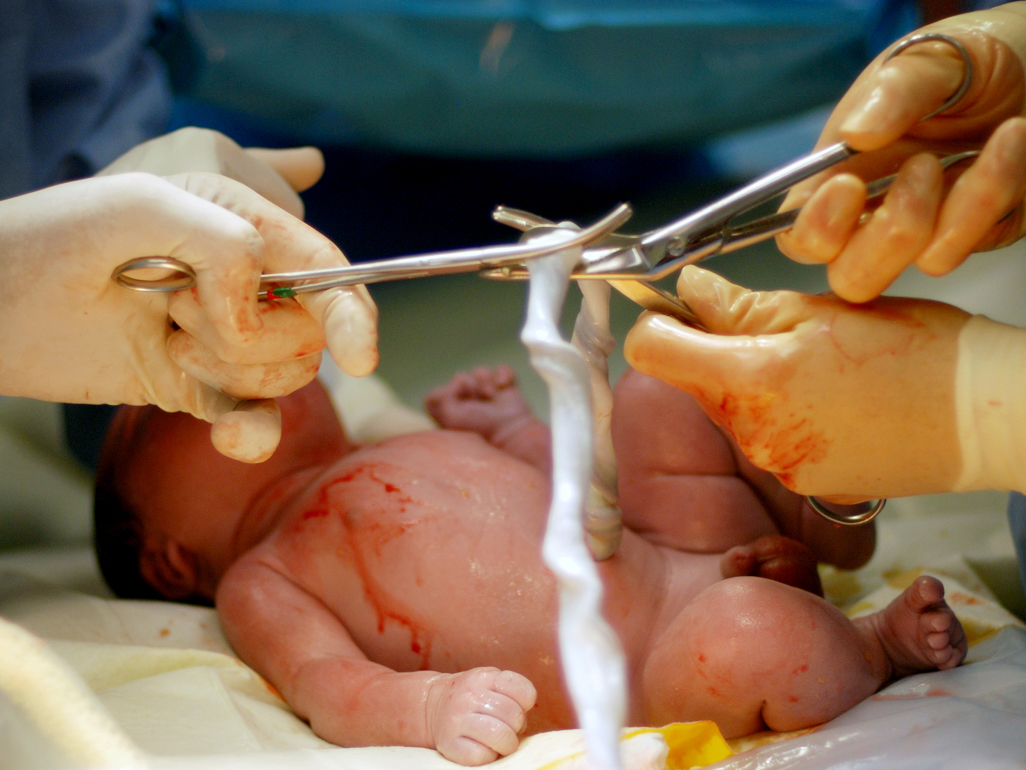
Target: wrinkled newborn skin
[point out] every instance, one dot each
(336, 567)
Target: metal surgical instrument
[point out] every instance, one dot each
(606, 255)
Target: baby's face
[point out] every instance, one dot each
(184, 489)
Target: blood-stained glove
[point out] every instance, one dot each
(926, 219)
(843, 401)
(69, 333)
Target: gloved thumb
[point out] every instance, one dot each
(301, 167)
(247, 431)
(687, 359)
(725, 308)
(250, 432)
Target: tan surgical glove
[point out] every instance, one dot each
(842, 401)
(927, 218)
(69, 333)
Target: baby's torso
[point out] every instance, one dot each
(427, 547)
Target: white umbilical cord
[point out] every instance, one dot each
(603, 523)
(592, 658)
(59, 704)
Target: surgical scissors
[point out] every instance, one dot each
(607, 255)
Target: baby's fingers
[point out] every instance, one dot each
(482, 738)
(518, 688)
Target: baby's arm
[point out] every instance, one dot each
(304, 650)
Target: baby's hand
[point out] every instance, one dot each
(475, 716)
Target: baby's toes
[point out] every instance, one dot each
(737, 562)
(945, 643)
(483, 383)
(926, 591)
(504, 377)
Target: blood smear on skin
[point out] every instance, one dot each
(592, 659)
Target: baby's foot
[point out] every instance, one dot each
(774, 557)
(918, 631)
(484, 401)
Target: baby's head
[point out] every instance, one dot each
(169, 508)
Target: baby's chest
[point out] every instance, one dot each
(413, 569)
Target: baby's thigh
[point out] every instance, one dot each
(741, 644)
(658, 429)
(678, 477)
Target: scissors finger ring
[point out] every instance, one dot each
(863, 513)
(967, 60)
(182, 275)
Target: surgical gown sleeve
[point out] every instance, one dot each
(79, 86)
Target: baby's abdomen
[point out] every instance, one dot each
(428, 549)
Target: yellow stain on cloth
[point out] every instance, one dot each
(692, 744)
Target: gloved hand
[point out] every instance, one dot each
(925, 219)
(475, 716)
(69, 333)
(275, 174)
(847, 402)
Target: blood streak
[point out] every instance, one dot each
(367, 531)
(779, 444)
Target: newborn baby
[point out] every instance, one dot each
(395, 595)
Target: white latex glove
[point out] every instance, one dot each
(69, 333)
(275, 174)
(844, 401)
(926, 218)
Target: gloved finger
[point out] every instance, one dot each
(289, 331)
(249, 433)
(685, 358)
(899, 93)
(347, 314)
(191, 150)
(252, 171)
(896, 234)
(986, 192)
(725, 308)
(225, 251)
(349, 319)
(826, 221)
(240, 381)
(301, 167)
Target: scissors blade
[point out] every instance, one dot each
(653, 298)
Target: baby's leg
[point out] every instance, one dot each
(684, 484)
(751, 653)
(487, 402)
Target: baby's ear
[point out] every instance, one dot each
(169, 567)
